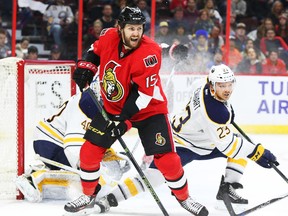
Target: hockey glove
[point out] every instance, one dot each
(84, 73)
(121, 129)
(263, 157)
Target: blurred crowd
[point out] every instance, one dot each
(258, 31)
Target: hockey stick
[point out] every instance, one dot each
(248, 138)
(130, 156)
(262, 205)
(227, 200)
(56, 164)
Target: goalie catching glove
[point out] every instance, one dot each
(263, 157)
(84, 73)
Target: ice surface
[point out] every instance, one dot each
(260, 185)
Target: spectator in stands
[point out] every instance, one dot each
(250, 44)
(5, 51)
(274, 65)
(107, 19)
(234, 57)
(142, 5)
(93, 34)
(215, 41)
(272, 42)
(56, 53)
(240, 36)
(32, 53)
(250, 64)
(200, 50)
(8, 36)
(260, 32)
(233, 25)
(174, 4)
(178, 19)
(258, 9)
(191, 13)
(276, 10)
(203, 22)
(181, 36)
(213, 13)
(57, 17)
(117, 7)
(164, 34)
(70, 37)
(217, 59)
(239, 8)
(22, 48)
(281, 29)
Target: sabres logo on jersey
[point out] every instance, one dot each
(111, 87)
(160, 140)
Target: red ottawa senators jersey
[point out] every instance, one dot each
(118, 71)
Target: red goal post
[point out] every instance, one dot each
(30, 90)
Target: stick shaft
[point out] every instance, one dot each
(248, 138)
(57, 164)
(262, 205)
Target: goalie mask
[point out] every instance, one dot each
(220, 74)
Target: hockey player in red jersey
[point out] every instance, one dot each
(132, 94)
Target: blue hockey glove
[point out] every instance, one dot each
(263, 157)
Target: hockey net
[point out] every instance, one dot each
(29, 91)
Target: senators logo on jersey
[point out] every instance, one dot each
(111, 87)
(160, 140)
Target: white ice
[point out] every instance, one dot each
(260, 185)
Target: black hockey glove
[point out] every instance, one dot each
(84, 73)
(263, 157)
(121, 129)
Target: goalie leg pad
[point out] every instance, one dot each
(25, 185)
(115, 165)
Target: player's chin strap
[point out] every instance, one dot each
(227, 200)
(129, 155)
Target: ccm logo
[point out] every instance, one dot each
(150, 61)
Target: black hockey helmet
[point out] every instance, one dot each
(131, 15)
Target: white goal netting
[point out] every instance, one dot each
(29, 91)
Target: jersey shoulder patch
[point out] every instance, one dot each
(216, 110)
